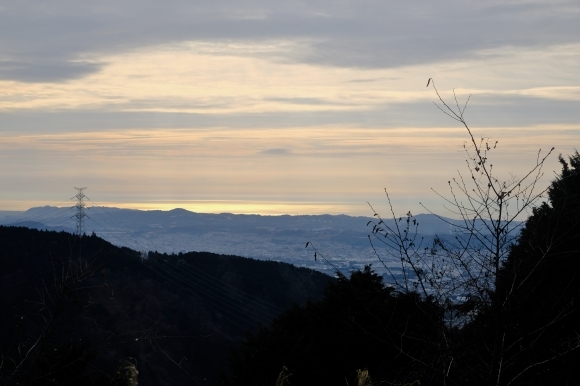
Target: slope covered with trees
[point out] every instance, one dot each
(526, 334)
(539, 286)
(360, 324)
(74, 308)
(494, 302)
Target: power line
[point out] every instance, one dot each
(239, 305)
(194, 272)
(234, 299)
(41, 214)
(216, 301)
(235, 295)
(232, 317)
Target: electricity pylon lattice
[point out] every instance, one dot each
(80, 214)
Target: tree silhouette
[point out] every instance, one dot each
(539, 286)
(44, 347)
(464, 272)
(359, 324)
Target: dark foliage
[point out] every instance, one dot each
(527, 333)
(360, 324)
(73, 308)
(539, 286)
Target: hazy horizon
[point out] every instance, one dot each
(340, 238)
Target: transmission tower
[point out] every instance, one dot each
(80, 214)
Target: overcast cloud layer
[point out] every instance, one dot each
(58, 40)
(107, 68)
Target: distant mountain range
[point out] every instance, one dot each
(341, 239)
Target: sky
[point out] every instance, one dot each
(277, 107)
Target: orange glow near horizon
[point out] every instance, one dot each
(234, 150)
(260, 171)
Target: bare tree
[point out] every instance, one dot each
(460, 270)
(42, 345)
(49, 343)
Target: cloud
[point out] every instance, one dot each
(367, 34)
(192, 99)
(40, 72)
(485, 110)
(327, 164)
(370, 80)
(276, 151)
(306, 101)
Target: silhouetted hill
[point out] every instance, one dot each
(342, 239)
(176, 315)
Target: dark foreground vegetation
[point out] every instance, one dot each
(493, 302)
(80, 311)
(524, 331)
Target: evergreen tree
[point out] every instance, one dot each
(360, 324)
(539, 285)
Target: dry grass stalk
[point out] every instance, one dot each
(127, 374)
(363, 378)
(283, 377)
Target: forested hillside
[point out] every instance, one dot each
(74, 308)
